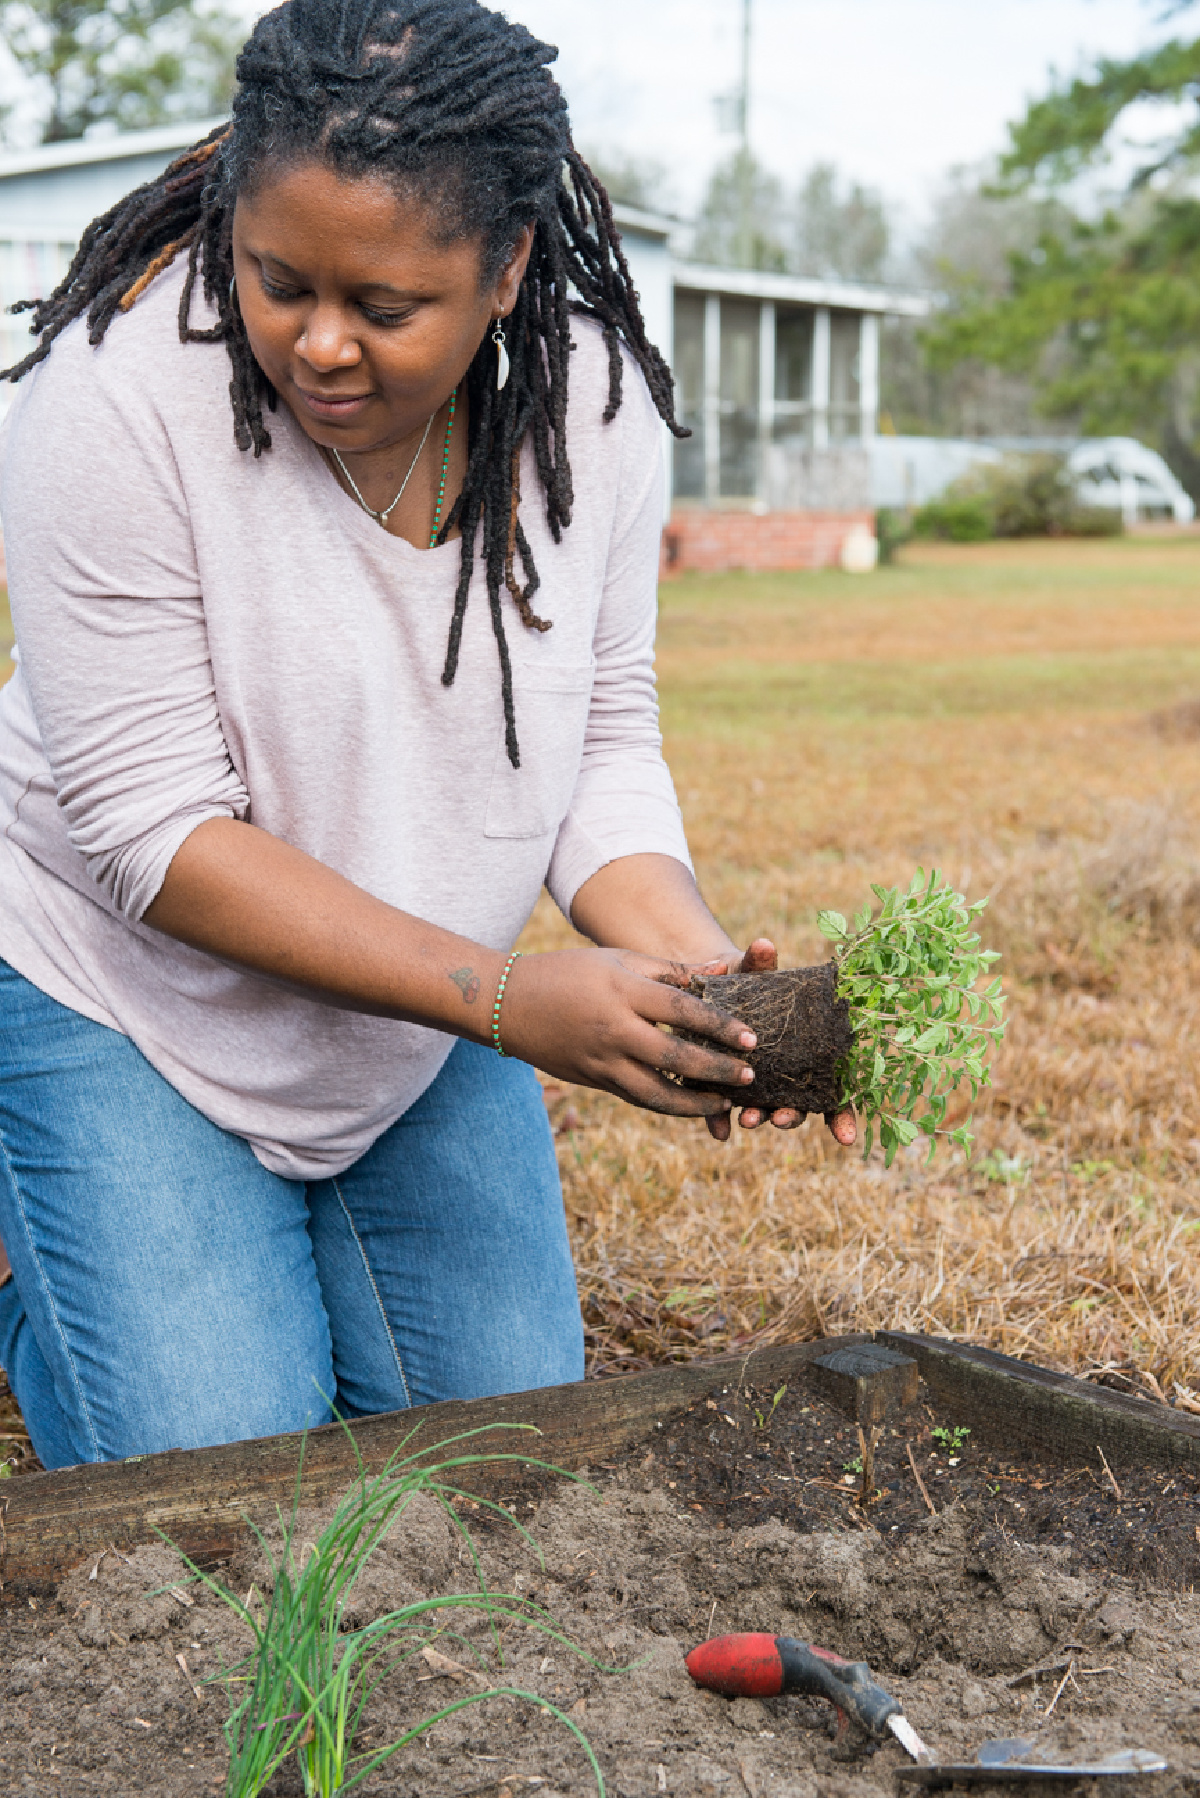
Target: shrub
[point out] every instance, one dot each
(1097, 521)
(1028, 496)
(892, 531)
(955, 518)
(1021, 496)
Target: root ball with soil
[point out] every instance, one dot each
(804, 1033)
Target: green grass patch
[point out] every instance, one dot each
(1115, 573)
(1021, 629)
(748, 697)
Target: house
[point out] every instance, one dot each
(777, 376)
(49, 195)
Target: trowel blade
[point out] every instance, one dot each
(908, 1738)
(1126, 1763)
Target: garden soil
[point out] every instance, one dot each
(1049, 1602)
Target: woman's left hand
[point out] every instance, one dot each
(650, 905)
(760, 958)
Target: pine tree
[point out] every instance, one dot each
(1103, 311)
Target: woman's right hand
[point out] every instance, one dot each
(590, 1016)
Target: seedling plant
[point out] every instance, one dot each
(304, 1686)
(911, 976)
(763, 1418)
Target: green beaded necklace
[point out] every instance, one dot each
(437, 511)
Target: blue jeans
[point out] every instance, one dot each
(169, 1292)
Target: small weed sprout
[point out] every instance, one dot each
(952, 1439)
(1007, 1170)
(921, 1027)
(305, 1684)
(763, 1418)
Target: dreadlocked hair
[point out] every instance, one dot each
(458, 107)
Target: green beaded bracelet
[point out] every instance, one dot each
(515, 956)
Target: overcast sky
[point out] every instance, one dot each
(893, 91)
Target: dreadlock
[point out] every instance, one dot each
(456, 105)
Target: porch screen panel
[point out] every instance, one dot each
(30, 268)
(689, 394)
(793, 375)
(740, 324)
(845, 417)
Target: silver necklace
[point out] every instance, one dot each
(382, 517)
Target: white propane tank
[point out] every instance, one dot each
(860, 551)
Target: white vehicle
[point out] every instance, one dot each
(1117, 472)
(1121, 473)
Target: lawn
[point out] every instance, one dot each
(1018, 716)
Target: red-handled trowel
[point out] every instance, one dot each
(760, 1666)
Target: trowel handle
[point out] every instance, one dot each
(761, 1666)
(846, 1684)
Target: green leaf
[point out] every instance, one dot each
(832, 924)
(910, 980)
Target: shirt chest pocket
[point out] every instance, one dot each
(552, 713)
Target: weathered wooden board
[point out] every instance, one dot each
(52, 1522)
(1013, 1403)
(200, 1498)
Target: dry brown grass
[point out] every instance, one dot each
(1025, 717)
(1046, 778)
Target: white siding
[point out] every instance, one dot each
(30, 268)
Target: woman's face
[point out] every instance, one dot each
(361, 320)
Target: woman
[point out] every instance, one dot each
(289, 753)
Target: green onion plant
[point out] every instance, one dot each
(305, 1684)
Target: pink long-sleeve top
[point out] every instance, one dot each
(205, 635)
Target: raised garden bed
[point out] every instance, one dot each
(721, 1503)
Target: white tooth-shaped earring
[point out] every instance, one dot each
(498, 339)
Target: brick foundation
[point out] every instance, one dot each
(714, 541)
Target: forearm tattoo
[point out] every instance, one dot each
(467, 980)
